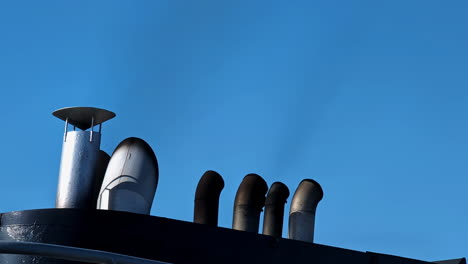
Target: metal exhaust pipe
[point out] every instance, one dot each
(131, 178)
(250, 199)
(302, 214)
(207, 198)
(274, 209)
(101, 167)
(80, 155)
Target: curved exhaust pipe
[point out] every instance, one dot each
(250, 199)
(274, 209)
(80, 161)
(207, 198)
(131, 178)
(302, 214)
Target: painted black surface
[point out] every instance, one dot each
(452, 261)
(206, 204)
(274, 209)
(168, 240)
(248, 204)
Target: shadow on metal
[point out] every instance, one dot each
(70, 253)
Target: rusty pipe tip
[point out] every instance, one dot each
(251, 191)
(278, 193)
(307, 196)
(210, 184)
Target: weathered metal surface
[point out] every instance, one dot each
(82, 163)
(302, 212)
(206, 204)
(248, 204)
(77, 170)
(131, 178)
(274, 209)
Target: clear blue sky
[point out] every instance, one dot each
(369, 98)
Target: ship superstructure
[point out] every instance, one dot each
(103, 205)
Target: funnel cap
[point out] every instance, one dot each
(82, 117)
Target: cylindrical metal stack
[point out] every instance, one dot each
(250, 199)
(302, 213)
(77, 170)
(207, 198)
(82, 163)
(274, 209)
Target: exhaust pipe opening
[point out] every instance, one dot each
(302, 213)
(131, 178)
(248, 204)
(274, 209)
(80, 156)
(207, 198)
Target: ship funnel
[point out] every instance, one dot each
(250, 199)
(302, 214)
(131, 178)
(274, 209)
(80, 156)
(207, 198)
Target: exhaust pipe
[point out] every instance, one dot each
(274, 209)
(131, 178)
(207, 198)
(302, 214)
(101, 167)
(80, 156)
(250, 199)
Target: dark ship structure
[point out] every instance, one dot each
(103, 205)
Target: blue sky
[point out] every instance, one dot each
(369, 98)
